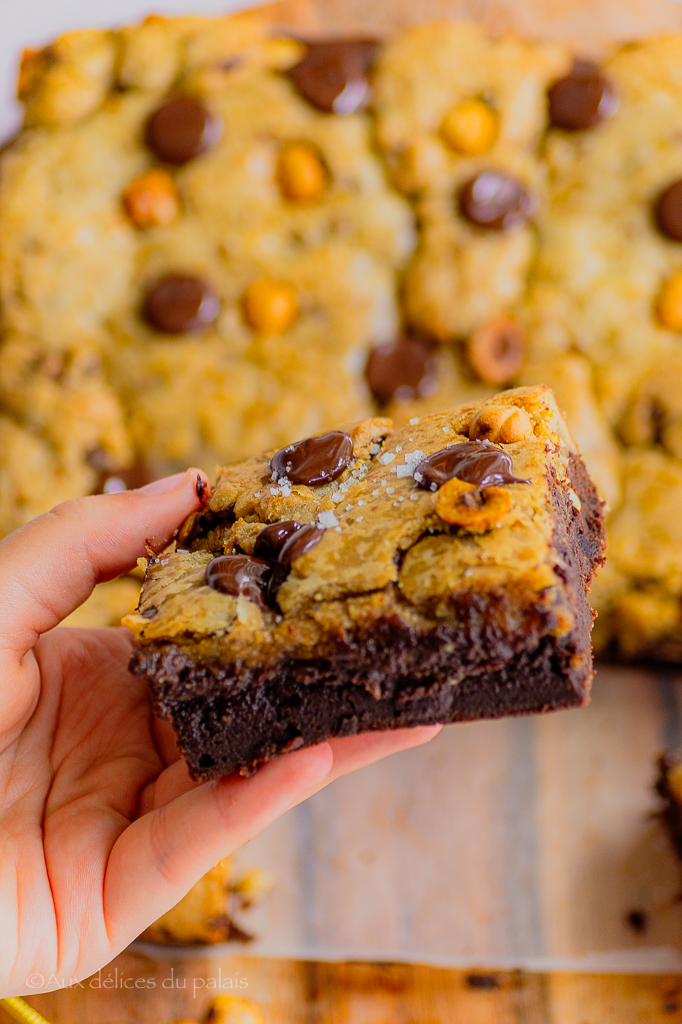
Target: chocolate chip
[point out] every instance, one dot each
(314, 461)
(333, 76)
(668, 211)
(239, 574)
(582, 98)
(475, 462)
(181, 129)
(401, 370)
(180, 304)
(297, 545)
(495, 201)
(272, 539)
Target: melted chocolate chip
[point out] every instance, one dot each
(272, 539)
(239, 574)
(495, 201)
(297, 545)
(475, 462)
(582, 98)
(314, 461)
(333, 76)
(180, 304)
(401, 370)
(668, 211)
(180, 130)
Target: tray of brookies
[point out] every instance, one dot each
(321, 246)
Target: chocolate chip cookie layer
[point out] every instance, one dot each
(399, 585)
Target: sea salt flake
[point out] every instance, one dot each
(414, 420)
(374, 449)
(359, 519)
(390, 490)
(327, 519)
(398, 448)
(387, 458)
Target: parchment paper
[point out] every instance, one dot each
(521, 842)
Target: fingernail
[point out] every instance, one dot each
(165, 485)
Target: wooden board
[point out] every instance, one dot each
(300, 992)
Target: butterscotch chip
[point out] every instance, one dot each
(475, 509)
(471, 127)
(670, 303)
(496, 350)
(152, 199)
(300, 172)
(33, 65)
(501, 424)
(270, 306)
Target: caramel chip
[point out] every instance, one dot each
(474, 509)
(496, 350)
(152, 199)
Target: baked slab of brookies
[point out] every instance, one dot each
(370, 579)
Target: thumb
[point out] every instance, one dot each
(51, 565)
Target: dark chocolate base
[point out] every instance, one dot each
(473, 666)
(219, 735)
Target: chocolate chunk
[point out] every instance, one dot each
(239, 574)
(180, 304)
(272, 539)
(181, 129)
(668, 211)
(401, 370)
(333, 76)
(475, 462)
(314, 461)
(495, 201)
(582, 98)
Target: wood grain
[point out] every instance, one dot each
(306, 992)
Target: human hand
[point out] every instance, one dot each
(101, 828)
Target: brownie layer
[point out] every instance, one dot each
(473, 666)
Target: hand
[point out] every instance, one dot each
(101, 828)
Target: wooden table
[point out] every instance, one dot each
(304, 992)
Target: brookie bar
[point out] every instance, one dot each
(371, 579)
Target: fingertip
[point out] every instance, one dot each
(193, 480)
